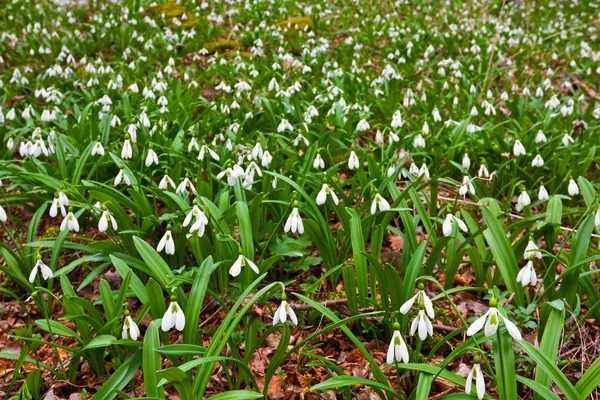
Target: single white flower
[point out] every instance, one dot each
(130, 328)
(518, 148)
(283, 311)
(104, 219)
(165, 182)
(466, 161)
(98, 149)
(448, 223)
(204, 149)
(491, 320)
(466, 186)
(379, 202)
(527, 275)
(266, 159)
(543, 194)
(294, 221)
(232, 174)
(173, 317)
(477, 375)
(56, 205)
(523, 200)
(44, 269)
(540, 137)
(363, 125)
(483, 172)
(322, 195)
(318, 162)
(538, 161)
(122, 177)
(241, 261)
(167, 243)
(418, 141)
(532, 251)
(422, 324)
(566, 139)
(127, 151)
(397, 350)
(185, 184)
(70, 222)
(151, 158)
(420, 297)
(573, 188)
(353, 162)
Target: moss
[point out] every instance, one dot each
(222, 46)
(296, 24)
(172, 10)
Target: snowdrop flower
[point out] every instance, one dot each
(151, 158)
(418, 141)
(104, 219)
(466, 161)
(397, 120)
(538, 161)
(540, 137)
(294, 221)
(44, 269)
(173, 317)
(477, 375)
(527, 275)
(127, 151)
(573, 188)
(379, 202)
(167, 243)
(283, 311)
(543, 194)
(483, 171)
(420, 297)
(165, 182)
(130, 328)
(232, 174)
(523, 200)
(466, 186)
(491, 320)
(353, 162)
(397, 350)
(98, 149)
(70, 222)
(266, 159)
(566, 139)
(448, 223)
(322, 195)
(56, 205)
(242, 261)
(436, 115)
(193, 145)
(596, 218)
(284, 125)
(424, 172)
(122, 177)
(518, 148)
(531, 250)
(200, 225)
(204, 149)
(318, 162)
(422, 324)
(185, 184)
(3, 216)
(362, 125)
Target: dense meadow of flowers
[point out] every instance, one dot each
(186, 184)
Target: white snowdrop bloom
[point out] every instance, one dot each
(573, 188)
(363, 125)
(397, 120)
(353, 162)
(273, 85)
(477, 375)
(397, 350)
(596, 218)
(413, 169)
(185, 184)
(318, 162)
(483, 171)
(531, 251)
(523, 200)
(105, 218)
(419, 297)
(130, 328)
(379, 203)
(527, 275)
(43, 268)
(294, 221)
(232, 174)
(199, 226)
(540, 137)
(70, 222)
(165, 182)
(543, 194)
(466, 186)
(257, 151)
(474, 111)
(173, 317)
(283, 311)
(205, 149)
(194, 214)
(122, 177)
(3, 216)
(127, 151)
(167, 243)
(284, 125)
(266, 159)
(424, 172)
(242, 261)
(132, 132)
(491, 319)
(422, 324)
(566, 139)
(466, 161)
(418, 141)
(301, 138)
(193, 145)
(56, 205)
(151, 158)
(63, 199)
(436, 115)
(10, 143)
(425, 128)
(379, 137)
(449, 222)
(97, 149)
(518, 148)
(538, 161)
(323, 193)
